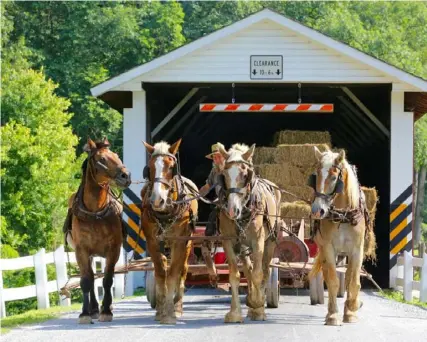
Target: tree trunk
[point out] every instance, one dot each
(420, 204)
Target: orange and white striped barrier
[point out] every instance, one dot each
(267, 107)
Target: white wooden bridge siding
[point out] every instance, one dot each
(228, 60)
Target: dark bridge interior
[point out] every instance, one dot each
(367, 146)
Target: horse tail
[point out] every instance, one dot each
(317, 266)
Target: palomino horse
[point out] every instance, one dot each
(96, 226)
(249, 209)
(345, 228)
(162, 217)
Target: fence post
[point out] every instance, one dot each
(41, 279)
(61, 273)
(423, 289)
(2, 303)
(408, 276)
(119, 279)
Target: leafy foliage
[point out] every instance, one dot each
(37, 153)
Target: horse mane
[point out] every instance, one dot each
(351, 181)
(352, 186)
(161, 147)
(84, 166)
(236, 151)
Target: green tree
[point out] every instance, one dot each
(37, 153)
(81, 44)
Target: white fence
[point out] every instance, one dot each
(42, 288)
(405, 276)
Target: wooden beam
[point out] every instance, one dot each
(174, 111)
(183, 118)
(366, 111)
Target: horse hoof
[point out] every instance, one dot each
(94, 315)
(157, 316)
(178, 314)
(168, 320)
(257, 314)
(233, 317)
(85, 320)
(105, 317)
(350, 319)
(333, 321)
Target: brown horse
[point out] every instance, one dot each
(249, 209)
(161, 217)
(345, 228)
(94, 227)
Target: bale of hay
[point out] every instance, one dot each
(297, 209)
(301, 137)
(301, 155)
(371, 197)
(302, 192)
(284, 174)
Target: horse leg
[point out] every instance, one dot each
(111, 260)
(332, 283)
(86, 284)
(178, 255)
(352, 303)
(160, 267)
(94, 305)
(256, 299)
(235, 313)
(178, 300)
(247, 270)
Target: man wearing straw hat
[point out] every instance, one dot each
(217, 167)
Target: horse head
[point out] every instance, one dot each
(237, 177)
(333, 178)
(105, 166)
(160, 171)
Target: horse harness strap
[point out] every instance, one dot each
(113, 208)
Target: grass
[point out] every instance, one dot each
(38, 316)
(398, 296)
(35, 316)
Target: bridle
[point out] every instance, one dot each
(246, 188)
(338, 188)
(99, 166)
(164, 181)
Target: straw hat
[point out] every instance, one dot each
(214, 150)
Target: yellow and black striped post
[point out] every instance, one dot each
(400, 225)
(131, 217)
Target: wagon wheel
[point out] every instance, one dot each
(291, 249)
(150, 288)
(273, 289)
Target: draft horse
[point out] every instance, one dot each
(163, 217)
(249, 207)
(93, 226)
(344, 228)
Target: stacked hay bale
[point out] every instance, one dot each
(290, 163)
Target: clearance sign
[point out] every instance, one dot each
(266, 67)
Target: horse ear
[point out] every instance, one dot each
(150, 149)
(340, 158)
(249, 153)
(89, 146)
(223, 152)
(175, 147)
(317, 153)
(105, 142)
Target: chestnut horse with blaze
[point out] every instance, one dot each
(93, 226)
(162, 217)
